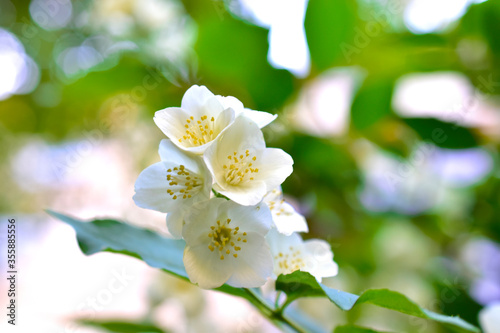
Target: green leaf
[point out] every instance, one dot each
(443, 134)
(155, 250)
(354, 329)
(329, 27)
(302, 284)
(233, 61)
(372, 103)
(122, 327)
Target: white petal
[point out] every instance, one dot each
(282, 247)
(285, 218)
(274, 167)
(282, 243)
(175, 222)
(256, 219)
(244, 256)
(319, 259)
(214, 162)
(261, 118)
(199, 219)
(243, 134)
(171, 153)
(171, 123)
(174, 157)
(198, 102)
(274, 195)
(289, 221)
(327, 269)
(248, 195)
(205, 268)
(212, 108)
(199, 150)
(253, 265)
(195, 99)
(489, 318)
(231, 102)
(151, 189)
(223, 120)
(152, 186)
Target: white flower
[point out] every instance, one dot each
(285, 218)
(173, 184)
(225, 243)
(291, 253)
(489, 318)
(202, 118)
(243, 168)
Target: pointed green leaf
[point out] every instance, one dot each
(302, 284)
(443, 134)
(122, 327)
(154, 249)
(354, 329)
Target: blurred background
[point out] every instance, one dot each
(390, 109)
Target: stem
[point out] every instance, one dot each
(277, 301)
(272, 314)
(218, 195)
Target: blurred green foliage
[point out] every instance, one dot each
(123, 327)
(230, 57)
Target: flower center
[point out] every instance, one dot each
(182, 183)
(239, 168)
(198, 132)
(290, 261)
(224, 239)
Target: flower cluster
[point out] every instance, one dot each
(220, 187)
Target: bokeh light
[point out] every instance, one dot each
(20, 74)
(390, 110)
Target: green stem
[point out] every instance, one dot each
(218, 195)
(277, 300)
(275, 316)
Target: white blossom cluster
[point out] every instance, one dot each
(220, 187)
